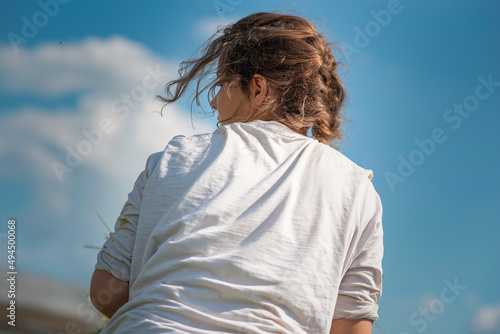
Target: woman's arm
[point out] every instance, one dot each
(109, 287)
(345, 326)
(361, 285)
(107, 292)
(116, 253)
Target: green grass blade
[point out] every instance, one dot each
(98, 215)
(378, 326)
(92, 246)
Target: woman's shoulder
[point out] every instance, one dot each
(183, 150)
(340, 163)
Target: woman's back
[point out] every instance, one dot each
(254, 228)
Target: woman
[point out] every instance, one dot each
(256, 227)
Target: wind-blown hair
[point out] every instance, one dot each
(299, 67)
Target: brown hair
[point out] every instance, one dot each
(296, 61)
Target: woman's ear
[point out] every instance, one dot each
(258, 89)
(258, 94)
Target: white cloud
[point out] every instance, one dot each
(487, 320)
(105, 70)
(97, 65)
(32, 137)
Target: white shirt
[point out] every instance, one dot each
(253, 228)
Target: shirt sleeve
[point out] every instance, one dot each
(361, 285)
(115, 256)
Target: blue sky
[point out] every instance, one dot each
(407, 75)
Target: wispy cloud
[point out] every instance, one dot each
(486, 320)
(207, 27)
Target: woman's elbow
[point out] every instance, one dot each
(345, 326)
(108, 293)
